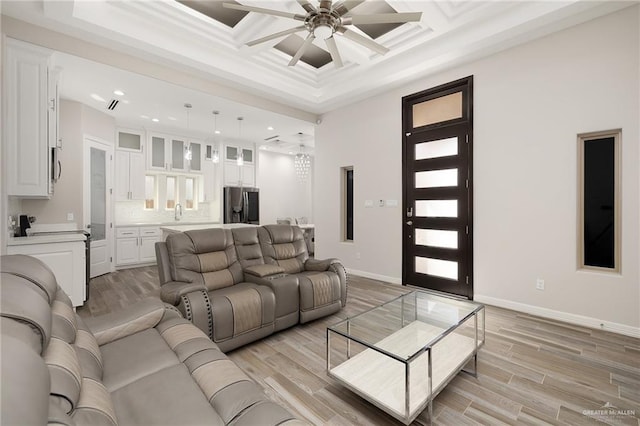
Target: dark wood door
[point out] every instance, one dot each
(438, 188)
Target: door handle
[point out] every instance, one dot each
(409, 222)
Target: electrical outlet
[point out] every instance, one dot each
(357, 255)
(69, 216)
(540, 284)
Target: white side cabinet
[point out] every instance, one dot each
(136, 245)
(66, 260)
(129, 176)
(239, 175)
(30, 126)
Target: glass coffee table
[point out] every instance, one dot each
(401, 354)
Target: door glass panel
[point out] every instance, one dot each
(129, 141)
(98, 194)
(437, 178)
(437, 267)
(157, 152)
(437, 208)
(437, 110)
(188, 193)
(149, 192)
(436, 238)
(177, 154)
(436, 149)
(195, 156)
(171, 192)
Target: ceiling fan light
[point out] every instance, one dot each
(323, 31)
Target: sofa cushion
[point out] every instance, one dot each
(167, 397)
(318, 289)
(247, 246)
(133, 357)
(283, 245)
(204, 256)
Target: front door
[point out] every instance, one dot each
(437, 188)
(97, 196)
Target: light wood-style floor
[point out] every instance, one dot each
(532, 370)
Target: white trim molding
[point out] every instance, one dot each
(392, 280)
(567, 317)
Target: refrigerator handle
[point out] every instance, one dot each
(245, 207)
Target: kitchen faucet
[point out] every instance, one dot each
(177, 211)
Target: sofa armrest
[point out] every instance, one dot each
(140, 316)
(172, 291)
(264, 270)
(319, 265)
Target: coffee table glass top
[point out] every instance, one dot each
(424, 317)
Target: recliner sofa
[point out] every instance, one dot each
(243, 284)
(144, 365)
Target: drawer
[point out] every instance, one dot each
(127, 232)
(150, 232)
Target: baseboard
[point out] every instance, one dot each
(392, 280)
(581, 320)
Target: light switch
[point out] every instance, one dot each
(368, 203)
(392, 203)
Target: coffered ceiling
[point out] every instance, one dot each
(210, 39)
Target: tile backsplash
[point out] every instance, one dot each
(134, 212)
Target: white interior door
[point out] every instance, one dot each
(97, 201)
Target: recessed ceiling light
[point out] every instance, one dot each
(290, 152)
(97, 97)
(124, 101)
(270, 128)
(144, 116)
(118, 92)
(155, 120)
(172, 118)
(217, 132)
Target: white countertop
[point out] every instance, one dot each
(192, 226)
(174, 223)
(45, 239)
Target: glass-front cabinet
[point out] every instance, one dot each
(174, 154)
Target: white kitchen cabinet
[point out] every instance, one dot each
(136, 245)
(129, 176)
(31, 116)
(235, 175)
(130, 140)
(169, 154)
(208, 186)
(66, 260)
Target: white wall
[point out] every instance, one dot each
(281, 192)
(76, 121)
(530, 102)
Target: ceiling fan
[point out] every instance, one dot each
(325, 21)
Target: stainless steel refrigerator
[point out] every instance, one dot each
(241, 205)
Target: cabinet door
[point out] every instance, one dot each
(157, 153)
(126, 250)
(122, 175)
(232, 174)
(208, 186)
(148, 249)
(25, 128)
(136, 176)
(67, 262)
(248, 175)
(177, 155)
(195, 164)
(130, 140)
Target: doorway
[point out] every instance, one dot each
(437, 169)
(98, 157)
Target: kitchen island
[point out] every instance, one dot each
(172, 229)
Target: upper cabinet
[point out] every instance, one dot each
(239, 173)
(30, 131)
(173, 154)
(130, 140)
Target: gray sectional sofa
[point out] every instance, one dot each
(243, 284)
(145, 365)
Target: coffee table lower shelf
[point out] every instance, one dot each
(381, 379)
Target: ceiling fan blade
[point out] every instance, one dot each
(333, 50)
(264, 11)
(276, 35)
(362, 40)
(387, 18)
(302, 49)
(344, 7)
(308, 7)
(325, 4)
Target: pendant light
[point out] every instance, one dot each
(188, 154)
(215, 157)
(240, 159)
